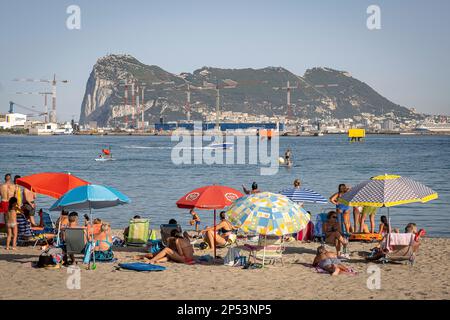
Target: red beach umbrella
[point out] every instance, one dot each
(52, 184)
(209, 197)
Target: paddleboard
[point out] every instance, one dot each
(104, 159)
(140, 266)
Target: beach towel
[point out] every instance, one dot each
(400, 239)
(306, 234)
(233, 255)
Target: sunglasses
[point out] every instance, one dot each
(334, 217)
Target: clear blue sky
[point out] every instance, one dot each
(407, 60)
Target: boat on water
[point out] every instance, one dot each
(106, 155)
(224, 146)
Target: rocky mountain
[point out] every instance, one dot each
(319, 93)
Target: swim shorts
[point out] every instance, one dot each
(4, 206)
(369, 210)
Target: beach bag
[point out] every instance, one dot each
(107, 255)
(155, 246)
(307, 233)
(233, 255)
(50, 257)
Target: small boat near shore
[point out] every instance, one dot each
(224, 146)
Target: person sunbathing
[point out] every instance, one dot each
(223, 232)
(333, 232)
(329, 262)
(184, 252)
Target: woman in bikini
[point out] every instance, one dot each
(11, 223)
(223, 231)
(184, 252)
(342, 208)
(328, 261)
(333, 232)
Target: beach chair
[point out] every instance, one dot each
(269, 248)
(399, 247)
(49, 225)
(26, 235)
(74, 240)
(318, 226)
(138, 232)
(166, 230)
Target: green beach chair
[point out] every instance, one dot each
(138, 232)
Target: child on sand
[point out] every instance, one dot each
(11, 223)
(195, 220)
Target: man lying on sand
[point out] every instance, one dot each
(328, 261)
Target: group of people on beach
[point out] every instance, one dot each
(14, 200)
(18, 211)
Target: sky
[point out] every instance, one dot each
(407, 60)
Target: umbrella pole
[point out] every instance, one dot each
(214, 234)
(264, 249)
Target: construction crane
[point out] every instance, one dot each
(288, 89)
(53, 83)
(45, 94)
(32, 108)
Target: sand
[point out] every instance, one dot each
(429, 278)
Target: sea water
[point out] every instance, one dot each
(143, 170)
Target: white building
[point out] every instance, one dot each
(11, 120)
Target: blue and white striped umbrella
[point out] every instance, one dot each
(303, 195)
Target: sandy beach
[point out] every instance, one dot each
(429, 278)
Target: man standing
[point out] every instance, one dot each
(29, 198)
(7, 191)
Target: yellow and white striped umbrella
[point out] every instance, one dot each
(387, 191)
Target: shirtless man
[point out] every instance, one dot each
(7, 191)
(184, 252)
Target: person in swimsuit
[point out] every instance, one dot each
(333, 232)
(342, 208)
(287, 157)
(11, 224)
(328, 261)
(184, 252)
(7, 191)
(103, 239)
(254, 189)
(223, 231)
(371, 212)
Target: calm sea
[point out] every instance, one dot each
(144, 171)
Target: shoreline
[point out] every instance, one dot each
(294, 280)
(406, 133)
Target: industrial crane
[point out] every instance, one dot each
(53, 83)
(36, 113)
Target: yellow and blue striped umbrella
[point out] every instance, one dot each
(387, 191)
(268, 214)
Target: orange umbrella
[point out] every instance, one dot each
(53, 184)
(209, 197)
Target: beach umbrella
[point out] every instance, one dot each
(268, 213)
(52, 184)
(211, 197)
(90, 197)
(387, 191)
(303, 195)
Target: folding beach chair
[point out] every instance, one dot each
(49, 225)
(26, 235)
(166, 230)
(269, 248)
(399, 247)
(138, 232)
(74, 240)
